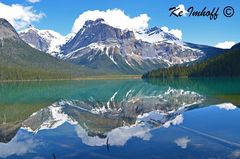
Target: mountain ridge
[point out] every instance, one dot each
(101, 47)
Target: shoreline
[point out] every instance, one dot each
(110, 77)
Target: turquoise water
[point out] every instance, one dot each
(184, 118)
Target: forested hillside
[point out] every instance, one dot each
(19, 61)
(226, 64)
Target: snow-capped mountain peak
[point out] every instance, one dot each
(29, 28)
(155, 35)
(48, 41)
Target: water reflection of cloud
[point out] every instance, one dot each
(226, 106)
(118, 136)
(19, 145)
(176, 121)
(182, 142)
(236, 154)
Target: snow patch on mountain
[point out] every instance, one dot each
(155, 34)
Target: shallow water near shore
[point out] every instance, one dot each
(174, 118)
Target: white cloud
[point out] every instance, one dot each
(180, 8)
(114, 17)
(19, 16)
(182, 142)
(175, 32)
(33, 1)
(122, 21)
(225, 44)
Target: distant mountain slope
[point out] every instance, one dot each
(226, 64)
(236, 46)
(47, 41)
(20, 61)
(209, 51)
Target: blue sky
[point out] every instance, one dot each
(61, 14)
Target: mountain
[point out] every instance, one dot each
(7, 32)
(47, 41)
(236, 46)
(102, 47)
(20, 61)
(226, 64)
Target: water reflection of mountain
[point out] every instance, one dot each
(98, 108)
(100, 112)
(222, 89)
(8, 131)
(103, 108)
(135, 115)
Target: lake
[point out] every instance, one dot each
(121, 119)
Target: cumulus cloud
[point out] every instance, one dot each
(182, 142)
(19, 16)
(122, 21)
(175, 32)
(225, 44)
(180, 8)
(114, 17)
(33, 1)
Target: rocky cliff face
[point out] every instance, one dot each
(35, 40)
(93, 32)
(7, 31)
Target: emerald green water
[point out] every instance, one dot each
(121, 119)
